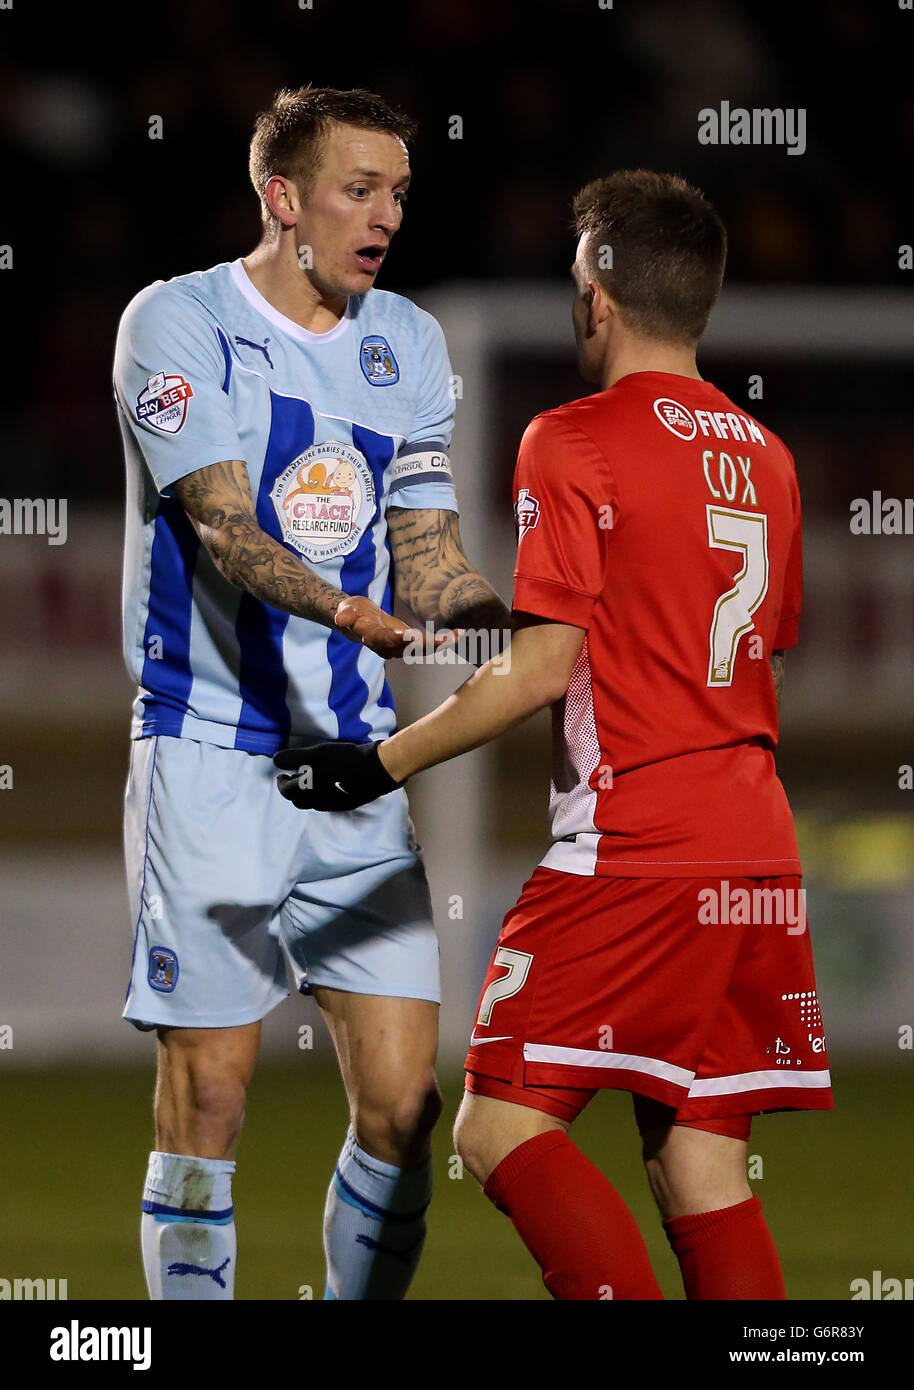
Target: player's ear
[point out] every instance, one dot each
(282, 199)
(601, 307)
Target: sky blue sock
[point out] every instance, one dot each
(187, 1230)
(374, 1225)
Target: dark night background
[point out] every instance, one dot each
(550, 95)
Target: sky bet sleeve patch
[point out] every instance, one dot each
(164, 402)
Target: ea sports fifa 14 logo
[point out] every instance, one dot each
(721, 424)
(677, 419)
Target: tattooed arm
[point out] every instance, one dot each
(220, 505)
(435, 579)
(777, 670)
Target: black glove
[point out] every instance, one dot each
(333, 776)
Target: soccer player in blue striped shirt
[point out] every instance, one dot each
(286, 430)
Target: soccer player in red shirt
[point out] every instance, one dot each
(661, 945)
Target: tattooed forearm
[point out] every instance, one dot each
(470, 601)
(219, 503)
(777, 670)
(434, 577)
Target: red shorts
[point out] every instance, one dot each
(699, 994)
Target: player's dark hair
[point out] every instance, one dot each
(290, 134)
(668, 249)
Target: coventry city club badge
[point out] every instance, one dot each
(325, 500)
(378, 361)
(163, 969)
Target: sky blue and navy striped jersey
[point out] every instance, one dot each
(333, 428)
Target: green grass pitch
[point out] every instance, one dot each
(74, 1155)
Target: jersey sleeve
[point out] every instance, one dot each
(170, 379)
(787, 634)
(565, 507)
(422, 472)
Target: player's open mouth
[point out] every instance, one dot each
(370, 258)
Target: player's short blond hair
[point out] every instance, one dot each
(668, 250)
(290, 134)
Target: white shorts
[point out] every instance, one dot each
(225, 878)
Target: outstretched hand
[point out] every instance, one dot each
(363, 621)
(332, 776)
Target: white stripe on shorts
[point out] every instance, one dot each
(618, 1061)
(759, 1081)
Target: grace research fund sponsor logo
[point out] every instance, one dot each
(677, 419)
(164, 402)
(324, 500)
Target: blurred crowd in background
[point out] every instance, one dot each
(550, 95)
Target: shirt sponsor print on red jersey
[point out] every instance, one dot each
(164, 401)
(677, 419)
(722, 424)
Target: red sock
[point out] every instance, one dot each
(573, 1222)
(727, 1254)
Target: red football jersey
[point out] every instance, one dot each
(666, 522)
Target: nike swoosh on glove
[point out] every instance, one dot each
(332, 776)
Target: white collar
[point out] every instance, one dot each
(263, 306)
